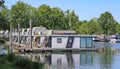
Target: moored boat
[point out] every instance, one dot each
(115, 39)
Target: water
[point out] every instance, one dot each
(107, 59)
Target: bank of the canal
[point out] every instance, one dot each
(12, 61)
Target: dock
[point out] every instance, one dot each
(35, 49)
(65, 49)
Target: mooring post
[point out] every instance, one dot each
(10, 39)
(31, 34)
(18, 34)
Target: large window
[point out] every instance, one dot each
(85, 42)
(89, 42)
(82, 42)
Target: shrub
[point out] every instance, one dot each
(11, 57)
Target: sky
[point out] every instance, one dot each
(85, 9)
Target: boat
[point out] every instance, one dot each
(96, 39)
(115, 39)
(53, 39)
(100, 39)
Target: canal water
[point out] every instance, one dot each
(109, 58)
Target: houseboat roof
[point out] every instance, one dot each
(64, 32)
(76, 35)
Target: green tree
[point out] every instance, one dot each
(83, 28)
(57, 19)
(34, 17)
(51, 18)
(118, 28)
(43, 13)
(20, 13)
(4, 18)
(106, 20)
(72, 20)
(94, 27)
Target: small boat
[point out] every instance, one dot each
(96, 39)
(115, 39)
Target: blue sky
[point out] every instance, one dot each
(85, 9)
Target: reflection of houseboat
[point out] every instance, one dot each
(63, 61)
(115, 39)
(55, 39)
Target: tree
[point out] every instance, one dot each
(57, 19)
(83, 28)
(118, 28)
(71, 20)
(94, 27)
(4, 18)
(20, 13)
(51, 18)
(44, 16)
(91, 27)
(106, 20)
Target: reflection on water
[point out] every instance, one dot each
(107, 59)
(83, 60)
(64, 60)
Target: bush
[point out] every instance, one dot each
(22, 62)
(12, 61)
(37, 65)
(11, 57)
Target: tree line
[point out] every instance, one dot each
(55, 18)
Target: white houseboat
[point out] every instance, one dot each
(55, 39)
(69, 41)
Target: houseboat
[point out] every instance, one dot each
(65, 40)
(43, 39)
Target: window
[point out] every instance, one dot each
(85, 42)
(70, 40)
(89, 42)
(82, 42)
(59, 40)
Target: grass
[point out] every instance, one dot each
(12, 61)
